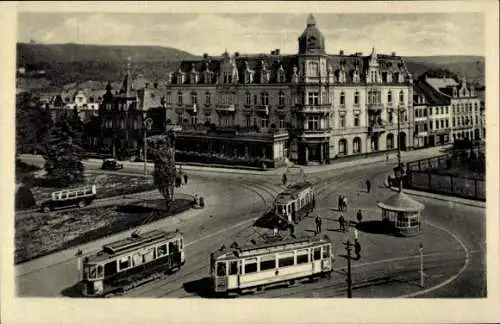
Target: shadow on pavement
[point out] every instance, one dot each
(374, 227)
(71, 291)
(269, 220)
(201, 287)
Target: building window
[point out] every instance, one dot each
(431, 125)
(442, 110)
(194, 98)
(453, 122)
(281, 76)
(314, 69)
(447, 122)
(425, 127)
(401, 97)
(313, 123)
(282, 123)
(475, 106)
(264, 98)
(342, 146)
(179, 98)
(342, 121)
(168, 98)
(356, 145)
(356, 119)
(248, 98)
(248, 121)
(476, 119)
(356, 98)
(425, 112)
(442, 123)
(227, 77)
(281, 98)
(207, 98)
(194, 120)
(255, 99)
(122, 124)
(437, 124)
(389, 97)
(446, 110)
(108, 106)
(430, 111)
(391, 117)
(264, 122)
(313, 98)
(342, 98)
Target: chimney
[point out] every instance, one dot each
(393, 53)
(341, 52)
(273, 52)
(237, 54)
(205, 55)
(277, 51)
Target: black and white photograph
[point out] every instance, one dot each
(312, 153)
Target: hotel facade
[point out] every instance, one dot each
(307, 107)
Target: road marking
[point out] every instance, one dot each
(451, 279)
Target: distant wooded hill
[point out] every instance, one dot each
(67, 63)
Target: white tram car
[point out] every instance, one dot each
(295, 203)
(127, 263)
(255, 267)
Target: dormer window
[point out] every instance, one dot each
(396, 77)
(342, 99)
(313, 69)
(401, 97)
(356, 98)
(264, 76)
(281, 98)
(179, 98)
(389, 97)
(355, 77)
(295, 75)
(281, 75)
(180, 78)
(227, 77)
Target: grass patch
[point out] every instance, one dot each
(39, 235)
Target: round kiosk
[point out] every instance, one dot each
(402, 213)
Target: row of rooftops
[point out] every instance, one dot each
(440, 91)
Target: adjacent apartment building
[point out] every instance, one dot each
(445, 111)
(309, 107)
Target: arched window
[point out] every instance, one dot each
(207, 99)
(342, 98)
(194, 98)
(179, 98)
(356, 145)
(356, 98)
(342, 146)
(390, 141)
(401, 96)
(389, 97)
(248, 99)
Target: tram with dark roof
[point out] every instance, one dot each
(295, 203)
(130, 262)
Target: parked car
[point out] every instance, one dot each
(111, 164)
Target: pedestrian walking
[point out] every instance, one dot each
(340, 203)
(344, 203)
(359, 216)
(284, 179)
(178, 181)
(292, 231)
(357, 249)
(185, 178)
(342, 223)
(318, 221)
(275, 232)
(355, 234)
(368, 185)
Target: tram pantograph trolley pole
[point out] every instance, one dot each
(147, 125)
(421, 249)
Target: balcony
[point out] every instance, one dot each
(318, 132)
(377, 127)
(264, 109)
(225, 107)
(192, 108)
(375, 106)
(307, 109)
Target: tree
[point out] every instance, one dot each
(32, 123)
(162, 149)
(63, 151)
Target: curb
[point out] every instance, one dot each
(425, 194)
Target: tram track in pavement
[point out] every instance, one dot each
(323, 189)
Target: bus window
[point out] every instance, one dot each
(250, 265)
(267, 262)
(233, 267)
(221, 269)
(100, 272)
(317, 253)
(162, 250)
(286, 259)
(326, 251)
(302, 256)
(124, 263)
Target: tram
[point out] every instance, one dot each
(295, 203)
(130, 262)
(254, 268)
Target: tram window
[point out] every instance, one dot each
(233, 268)
(302, 256)
(326, 251)
(162, 250)
(250, 265)
(86, 271)
(148, 256)
(267, 262)
(100, 271)
(317, 253)
(124, 263)
(137, 259)
(286, 260)
(110, 268)
(221, 268)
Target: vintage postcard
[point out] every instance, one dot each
(297, 162)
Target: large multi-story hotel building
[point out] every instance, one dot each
(310, 106)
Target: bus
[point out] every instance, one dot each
(130, 262)
(256, 267)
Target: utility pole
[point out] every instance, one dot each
(147, 125)
(349, 277)
(421, 249)
(400, 180)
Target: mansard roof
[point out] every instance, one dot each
(433, 97)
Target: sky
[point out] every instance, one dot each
(212, 33)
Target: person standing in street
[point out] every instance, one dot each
(342, 223)
(357, 249)
(344, 202)
(340, 203)
(359, 216)
(368, 185)
(355, 234)
(284, 179)
(317, 220)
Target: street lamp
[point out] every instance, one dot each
(147, 125)
(399, 169)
